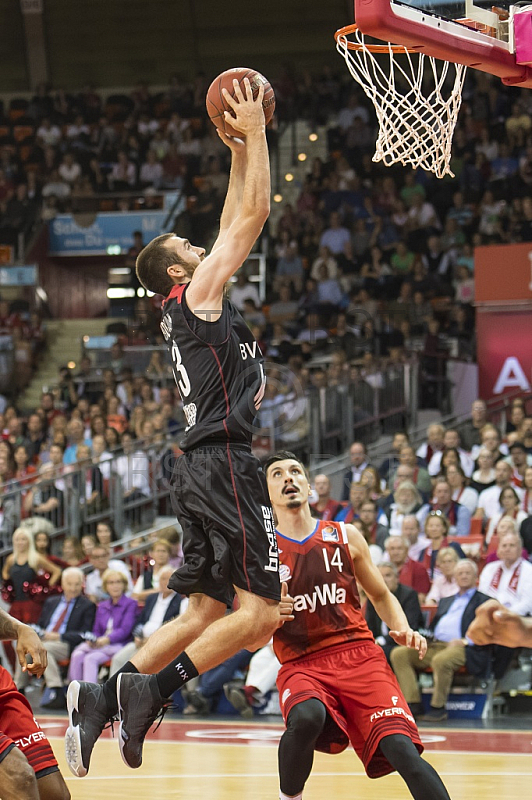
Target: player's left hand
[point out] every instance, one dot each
(28, 643)
(233, 143)
(286, 606)
(410, 638)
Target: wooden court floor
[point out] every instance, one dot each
(234, 760)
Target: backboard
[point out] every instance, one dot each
(464, 32)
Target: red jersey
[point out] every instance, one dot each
(321, 578)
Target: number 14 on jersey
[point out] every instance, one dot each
(336, 560)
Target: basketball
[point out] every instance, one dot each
(216, 104)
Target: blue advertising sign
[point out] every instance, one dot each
(25, 275)
(106, 233)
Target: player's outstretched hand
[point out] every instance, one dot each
(286, 606)
(233, 143)
(410, 638)
(29, 644)
(495, 624)
(248, 113)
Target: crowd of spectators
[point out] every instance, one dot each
(441, 519)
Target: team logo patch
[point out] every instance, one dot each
(330, 534)
(284, 572)
(286, 695)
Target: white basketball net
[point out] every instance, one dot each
(414, 129)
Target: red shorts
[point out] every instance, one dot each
(362, 698)
(19, 727)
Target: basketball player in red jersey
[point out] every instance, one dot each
(335, 685)
(218, 488)
(28, 768)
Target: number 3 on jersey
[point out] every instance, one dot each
(180, 373)
(336, 560)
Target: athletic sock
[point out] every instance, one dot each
(109, 687)
(175, 675)
(290, 797)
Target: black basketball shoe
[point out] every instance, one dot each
(139, 704)
(88, 714)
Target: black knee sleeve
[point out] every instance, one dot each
(296, 749)
(422, 779)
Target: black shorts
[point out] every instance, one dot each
(220, 498)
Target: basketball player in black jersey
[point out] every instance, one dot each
(219, 491)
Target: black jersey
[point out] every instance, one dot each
(218, 368)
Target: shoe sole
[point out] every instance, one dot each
(121, 741)
(72, 736)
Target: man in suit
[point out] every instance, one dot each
(409, 602)
(450, 648)
(65, 620)
(160, 608)
(358, 456)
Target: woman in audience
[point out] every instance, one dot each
(506, 525)
(371, 478)
(72, 552)
(21, 572)
(509, 502)
(462, 493)
(88, 541)
(24, 472)
(484, 476)
(112, 439)
(444, 584)
(437, 530)
(43, 546)
(526, 502)
(148, 583)
(112, 629)
(105, 534)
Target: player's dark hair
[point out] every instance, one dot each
(152, 265)
(282, 455)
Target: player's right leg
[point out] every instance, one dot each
(296, 749)
(92, 706)
(17, 778)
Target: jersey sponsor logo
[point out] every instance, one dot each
(330, 534)
(328, 594)
(394, 700)
(273, 555)
(166, 326)
(284, 572)
(286, 694)
(397, 711)
(33, 738)
(247, 349)
(190, 412)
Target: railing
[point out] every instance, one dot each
(315, 423)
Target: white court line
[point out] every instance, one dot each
(268, 743)
(251, 775)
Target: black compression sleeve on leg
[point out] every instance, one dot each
(422, 779)
(296, 749)
(109, 687)
(175, 675)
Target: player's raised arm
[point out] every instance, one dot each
(206, 287)
(386, 605)
(235, 190)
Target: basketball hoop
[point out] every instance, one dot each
(416, 121)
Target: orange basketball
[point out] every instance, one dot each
(216, 104)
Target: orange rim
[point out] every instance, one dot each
(373, 48)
